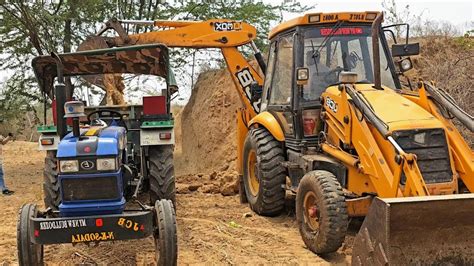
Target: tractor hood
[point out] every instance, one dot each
(149, 59)
(94, 141)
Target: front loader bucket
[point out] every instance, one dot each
(417, 230)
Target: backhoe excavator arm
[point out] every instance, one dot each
(226, 35)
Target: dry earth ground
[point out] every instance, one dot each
(204, 226)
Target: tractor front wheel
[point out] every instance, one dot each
(321, 212)
(29, 253)
(51, 193)
(166, 239)
(263, 174)
(161, 173)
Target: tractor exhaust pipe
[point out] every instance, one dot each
(376, 51)
(60, 95)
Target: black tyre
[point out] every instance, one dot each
(51, 192)
(264, 175)
(28, 252)
(161, 173)
(321, 212)
(166, 239)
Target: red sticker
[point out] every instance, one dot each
(341, 31)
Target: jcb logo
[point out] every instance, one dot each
(129, 224)
(331, 104)
(245, 78)
(226, 26)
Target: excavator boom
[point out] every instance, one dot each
(223, 34)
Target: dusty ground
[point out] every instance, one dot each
(205, 217)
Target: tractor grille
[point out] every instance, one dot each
(431, 150)
(91, 188)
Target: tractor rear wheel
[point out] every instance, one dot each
(166, 239)
(29, 253)
(264, 175)
(321, 212)
(50, 181)
(161, 173)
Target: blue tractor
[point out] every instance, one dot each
(109, 169)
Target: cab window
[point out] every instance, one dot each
(268, 75)
(328, 52)
(281, 85)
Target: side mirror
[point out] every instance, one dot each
(255, 91)
(302, 76)
(405, 49)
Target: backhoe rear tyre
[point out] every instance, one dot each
(29, 253)
(51, 192)
(161, 173)
(321, 212)
(264, 175)
(166, 239)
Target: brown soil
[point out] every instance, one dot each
(207, 125)
(212, 228)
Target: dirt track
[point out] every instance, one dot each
(204, 219)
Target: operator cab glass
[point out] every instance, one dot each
(329, 50)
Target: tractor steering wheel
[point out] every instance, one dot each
(107, 115)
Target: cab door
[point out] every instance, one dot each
(278, 85)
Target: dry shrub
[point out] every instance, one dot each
(447, 62)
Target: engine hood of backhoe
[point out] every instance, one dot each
(395, 110)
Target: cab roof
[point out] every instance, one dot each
(324, 18)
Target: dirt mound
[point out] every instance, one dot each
(207, 126)
(224, 183)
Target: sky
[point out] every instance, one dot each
(460, 13)
(457, 12)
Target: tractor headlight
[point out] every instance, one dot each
(69, 166)
(107, 164)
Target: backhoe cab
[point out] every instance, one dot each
(337, 128)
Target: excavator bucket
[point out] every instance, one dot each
(431, 230)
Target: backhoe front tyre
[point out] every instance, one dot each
(29, 253)
(264, 175)
(321, 212)
(166, 240)
(51, 194)
(161, 173)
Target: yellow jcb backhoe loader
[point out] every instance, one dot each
(331, 122)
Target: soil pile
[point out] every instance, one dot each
(224, 183)
(207, 126)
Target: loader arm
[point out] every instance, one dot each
(379, 157)
(226, 35)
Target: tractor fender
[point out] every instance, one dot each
(268, 121)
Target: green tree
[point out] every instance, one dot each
(32, 28)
